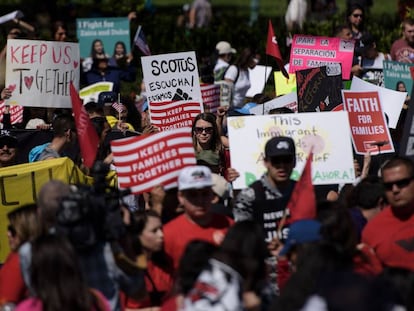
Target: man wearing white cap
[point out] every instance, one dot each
(225, 53)
(195, 194)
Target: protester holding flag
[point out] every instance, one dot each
(238, 75)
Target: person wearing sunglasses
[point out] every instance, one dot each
(8, 149)
(23, 226)
(391, 232)
(402, 49)
(208, 146)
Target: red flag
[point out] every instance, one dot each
(87, 136)
(302, 203)
(272, 48)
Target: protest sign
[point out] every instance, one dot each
(109, 30)
(211, 96)
(91, 92)
(289, 101)
(367, 122)
(319, 89)
(282, 85)
(39, 72)
(10, 16)
(391, 101)
(31, 177)
(258, 77)
(327, 132)
(143, 162)
(310, 52)
(397, 76)
(173, 89)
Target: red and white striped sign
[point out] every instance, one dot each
(142, 162)
(174, 114)
(16, 113)
(211, 96)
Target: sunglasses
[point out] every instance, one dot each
(8, 144)
(281, 160)
(357, 15)
(12, 230)
(402, 183)
(200, 130)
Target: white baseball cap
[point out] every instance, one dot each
(195, 177)
(223, 47)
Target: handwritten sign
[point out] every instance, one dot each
(315, 51)
(108, 30)
(143, 162)
(173, 89)
(367, 122)
(327, 132)
(39, 72)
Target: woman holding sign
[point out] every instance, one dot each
(209, 148)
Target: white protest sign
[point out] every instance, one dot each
(258, 77)
(391, 101)
(13, 15)
(327, 132)
(289, 100)
(39, 72)
(171, 77)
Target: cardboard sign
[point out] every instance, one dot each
(211, 96)
(173, 89)
(311, 52)
(108, 30)
(143, 162)
(319, 89)
(289, 101)
(391, 101)
(39, 72)
(327, 132)
(367, 122)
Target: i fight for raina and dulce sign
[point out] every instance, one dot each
(39, 72)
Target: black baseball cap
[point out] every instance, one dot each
(7, 139)
(280, 146)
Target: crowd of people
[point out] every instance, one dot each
(205, 245)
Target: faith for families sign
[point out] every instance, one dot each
(327, 132)
(108, 30)
(367, 122)
(39, 72)
(142, 162)
(310, 52)
(173, 89)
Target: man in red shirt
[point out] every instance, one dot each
(198, 222)
(391, 232)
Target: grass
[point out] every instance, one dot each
(278, 7)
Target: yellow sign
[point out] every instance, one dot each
(20, 184)
(284, 86)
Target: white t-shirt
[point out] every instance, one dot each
(240, 86)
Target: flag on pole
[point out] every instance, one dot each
(272, 49)
(302, 203)
(87, 136)
(141, 42)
